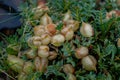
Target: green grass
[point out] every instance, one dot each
(104, 42)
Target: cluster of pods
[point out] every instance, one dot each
(40, 53)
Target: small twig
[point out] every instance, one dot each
(7, 74)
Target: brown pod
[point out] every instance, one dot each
(39, 30)
(73, 24)
(67, 16)
(31, 53)
(89, 63)
(110, 14)
(45, 20)
(43, 51)
(52, 55)
(68, 33)
(45, 39)
(41, 2)
(15, 63)
(68, 68)
(81, 52)
(58, 40)
(51, 28)
(28, 67)
(71, 77)
(34, 41)
(118, 42)
(86, 30)
(118, 2)
(37, 63)
(41, 5)
(40, 9)
(41, 64)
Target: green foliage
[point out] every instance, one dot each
(54, 70)
(59, 26)
(103, 45)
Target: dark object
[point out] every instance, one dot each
(9, 14)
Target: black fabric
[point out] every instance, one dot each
(9, 14)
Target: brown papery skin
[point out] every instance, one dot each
(41, 2)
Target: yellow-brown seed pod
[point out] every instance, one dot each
(15, 63)
(67, 16)
(45, 20)
(118, 2)
(39, 30)
(45, 39)
(40, 9)
(30, 53)
(28, 67)
(81, 52)
(68, 68)
(73, 24)
(89, 63)
(43, 51)
(41, 64)
(51, 29)
(118, 42)
(37, 63)
(34, 41)
(52, 55)
(86, 30)
(71, 77)
(58, 40)
(68, 33)
(115, 13)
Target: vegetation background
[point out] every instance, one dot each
(104, 43)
